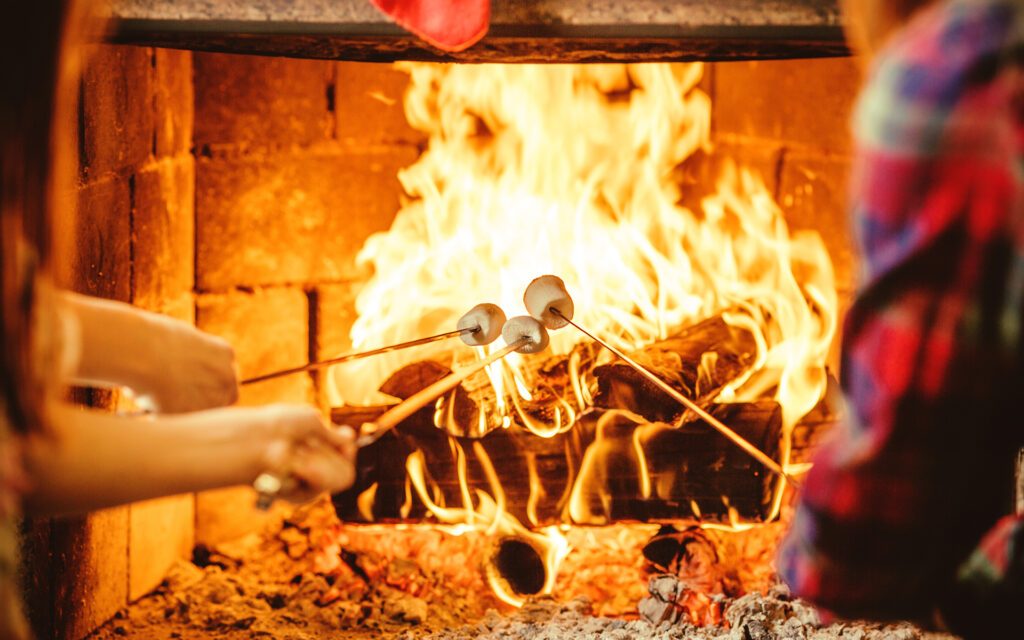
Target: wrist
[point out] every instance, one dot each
(275, 441)
(147, 363)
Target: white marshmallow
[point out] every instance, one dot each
(525, 327)
(544, 293)
(487, 318)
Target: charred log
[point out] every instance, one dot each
(809, 433)
(672, 548)
(648, 472)
(519, 564)
(699, 361)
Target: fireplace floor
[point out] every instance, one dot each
(311, 577)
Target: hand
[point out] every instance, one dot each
(190, 371)
(83, 466)
(308, 455)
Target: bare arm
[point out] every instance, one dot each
(100, 460)
(177, 366)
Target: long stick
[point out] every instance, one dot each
(269, 484)
(736, 438)
(372, 431)
(313, 366)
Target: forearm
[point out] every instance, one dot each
(116, 341)
(99, 460)
(176, 366)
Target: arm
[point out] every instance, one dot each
(177, 366)
(99, 460)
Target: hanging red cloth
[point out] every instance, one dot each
(451, 25)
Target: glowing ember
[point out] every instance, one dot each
(571, 170)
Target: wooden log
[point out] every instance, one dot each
(687, 471)
(810, 432)
(698, 362)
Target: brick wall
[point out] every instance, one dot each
(231, 192)
(133, 239)
(296, 164)
(789, 119)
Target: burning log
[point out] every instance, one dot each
(689, 470)
(698, 362)
(609, 465)
(519, 564)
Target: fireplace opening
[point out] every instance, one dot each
(305, 208)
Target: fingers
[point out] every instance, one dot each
(343, 439)
(321, 469)
(321, 458)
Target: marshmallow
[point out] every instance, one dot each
(487, 319)
(525, 327)
(544, 293)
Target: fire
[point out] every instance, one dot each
(549, 543)
(573, 170)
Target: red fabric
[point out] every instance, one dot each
(451, 25)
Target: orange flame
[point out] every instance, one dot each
(571, 170)
(489, 513)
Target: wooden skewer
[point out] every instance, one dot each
(313, 366)
(736, 438)
(268, 485)
(372, 431)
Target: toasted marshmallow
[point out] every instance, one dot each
(526, 327)
(487, 319)
(544, 294)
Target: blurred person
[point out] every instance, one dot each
(905, 512)
(59, 459)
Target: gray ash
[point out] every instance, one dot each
(774, 616)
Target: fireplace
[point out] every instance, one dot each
(241, 192)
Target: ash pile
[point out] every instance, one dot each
(667, 614)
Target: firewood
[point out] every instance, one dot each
(698, 362)
(693, 471)
(690, 469)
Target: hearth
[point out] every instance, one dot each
(691, 198)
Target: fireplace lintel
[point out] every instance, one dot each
(523, 31)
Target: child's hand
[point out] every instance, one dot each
(308, 455)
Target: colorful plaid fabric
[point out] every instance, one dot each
(933, 351)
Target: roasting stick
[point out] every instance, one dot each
(313, 366)
(548, 300)
(523, 334)
(481, 325)
(372, 431)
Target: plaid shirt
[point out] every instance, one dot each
(922, 466)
